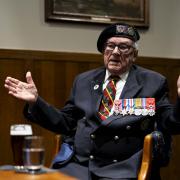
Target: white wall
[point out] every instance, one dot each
(22, 26)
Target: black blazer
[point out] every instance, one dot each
(113, 147)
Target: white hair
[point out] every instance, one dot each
(136, 46)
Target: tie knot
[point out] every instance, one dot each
(114, 78)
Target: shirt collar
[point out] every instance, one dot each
(123, 76)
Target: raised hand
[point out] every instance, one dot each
(26, 91)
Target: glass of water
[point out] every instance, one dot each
(33, 153)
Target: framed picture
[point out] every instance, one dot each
(134, 12)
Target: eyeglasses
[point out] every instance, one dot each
(124, 48)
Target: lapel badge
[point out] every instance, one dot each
(96, 87)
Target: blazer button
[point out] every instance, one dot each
(116, 138)
(128, 127)
(84, 117)
(91, 157)
(93, 136)
(115, 160)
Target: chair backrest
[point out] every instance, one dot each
(145, 169)
(162, 148)
(156, 151)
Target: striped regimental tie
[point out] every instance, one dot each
(109, 94)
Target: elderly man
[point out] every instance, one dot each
(109, 111)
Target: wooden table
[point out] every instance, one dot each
(12, 175)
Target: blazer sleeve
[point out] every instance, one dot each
(62, 121)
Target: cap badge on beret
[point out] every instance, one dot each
(125, 30)
(120, 29)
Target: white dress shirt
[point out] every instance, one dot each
(119, 85)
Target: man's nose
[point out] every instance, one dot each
(116, 50)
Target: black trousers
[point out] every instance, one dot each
(76, 170)
(81, 172)
(98, 178)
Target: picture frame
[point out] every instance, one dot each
(134, 12)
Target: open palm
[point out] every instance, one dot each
(22, 90)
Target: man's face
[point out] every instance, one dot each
(119, 54)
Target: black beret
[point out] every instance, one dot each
(117, 30)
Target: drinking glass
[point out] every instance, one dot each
(33, 153)
(17, 134)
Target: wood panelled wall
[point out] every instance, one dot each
(53, 73)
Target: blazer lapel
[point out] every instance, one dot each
(96, 90)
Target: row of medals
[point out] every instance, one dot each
(136, 106)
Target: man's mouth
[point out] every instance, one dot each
(114, 61)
